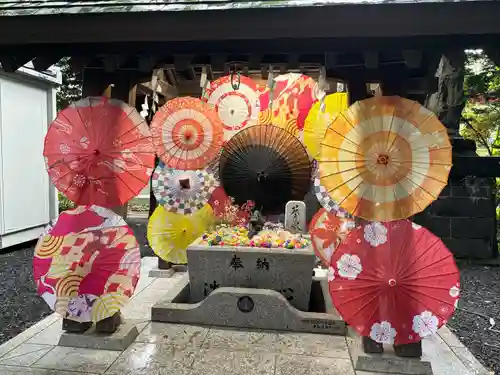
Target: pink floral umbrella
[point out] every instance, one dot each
(87, 265)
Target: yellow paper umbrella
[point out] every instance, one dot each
(318, 120)
(169, 234)
(385, 158)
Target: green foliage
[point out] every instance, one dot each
(71, 88)
(481, 115)
(64, 203)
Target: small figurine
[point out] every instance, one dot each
(256, 223)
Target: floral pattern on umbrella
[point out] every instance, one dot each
(287, 104)
(394, 282)
(87, 267)
(99, 151)
(328, 230)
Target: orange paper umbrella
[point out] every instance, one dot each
(328, 229)
(236, 101)
(187, 133)
(385, 158)
(289, 101)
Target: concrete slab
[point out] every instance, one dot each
(119, 340)
(242, 307)
(163, 274)
(386, 363)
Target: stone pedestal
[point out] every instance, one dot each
(166, 269)
(285, 271)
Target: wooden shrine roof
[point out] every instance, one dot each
(52, 7)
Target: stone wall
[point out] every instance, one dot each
(464, 218)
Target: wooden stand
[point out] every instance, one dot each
(109, 325)
(409, 350)
(69, 325)
(372, 347)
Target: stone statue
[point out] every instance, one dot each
(256, 223)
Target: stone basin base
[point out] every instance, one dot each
(248, 308)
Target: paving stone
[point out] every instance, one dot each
(179, 335)
(444, 361)
(11, 370)
(449, 337)
(240, 339)
(118, 340)
(49, 336)
(470, 361)
(149, 359)
(77, 359)
(224, 362)
(313, 344)
(302, 365)
(25, 354)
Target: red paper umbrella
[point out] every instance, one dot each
(187, 133)
(395, 282)
(225, 209)
(99, 151)
(236, 101)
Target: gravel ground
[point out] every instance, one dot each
(21, 307)
(480, 300)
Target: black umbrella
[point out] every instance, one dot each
(265, 164)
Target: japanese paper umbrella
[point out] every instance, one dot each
(170, 234)
(395, 282)
(236, 101)
(225, 209)
(385, 158)
(87, 266)
(287, 104)
(182, 192)
(267, 165)
(328, 229)
(187, 133)
(99, 151)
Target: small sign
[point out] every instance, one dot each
(295, 216)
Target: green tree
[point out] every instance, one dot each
(71, 88)
(481, 116)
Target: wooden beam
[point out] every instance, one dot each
(112, 63)
(413, 58)
(146, 63)
(391, 19)
(42, 63)
(371, 59)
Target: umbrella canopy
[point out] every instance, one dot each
(182, 192)
(266, 165)
(187, 133)
(385, 158)
(320, 116)
(287, 104)
(395, 282)
(170, 234)
(236, 101)
(225, 209)
(99, 151)
(328, 229)
(87, 266)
